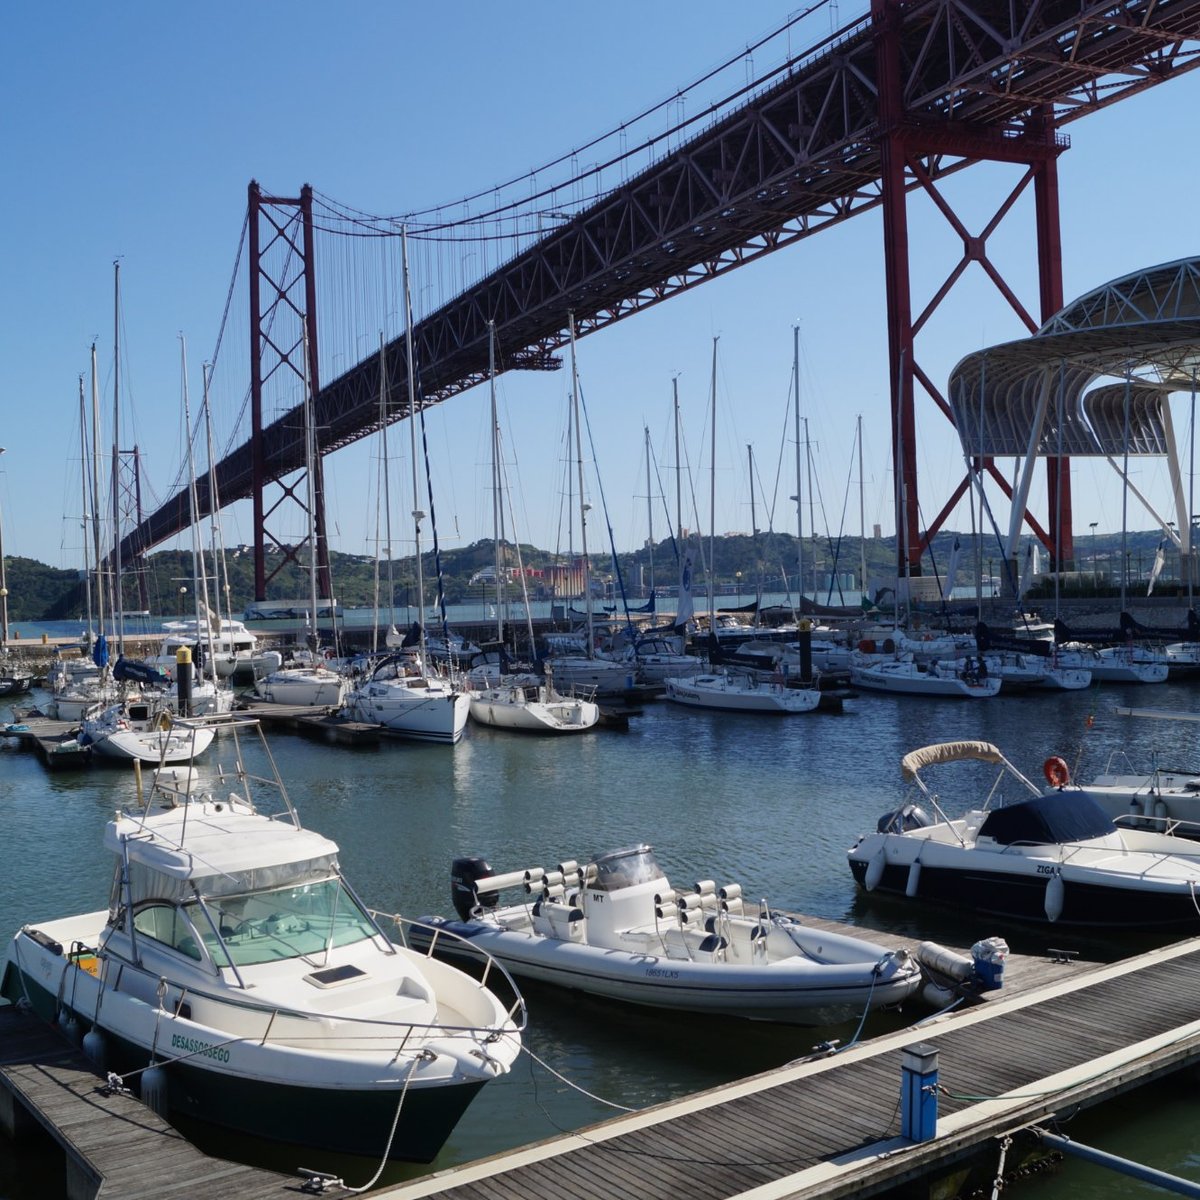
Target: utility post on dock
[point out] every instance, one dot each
(918, 1092)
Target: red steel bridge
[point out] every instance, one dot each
(885, 108)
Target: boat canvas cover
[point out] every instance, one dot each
(1047, 820)
(223, 853)
(945, 752)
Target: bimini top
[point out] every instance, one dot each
(203, 840)
(945, 752)
(1047, 820)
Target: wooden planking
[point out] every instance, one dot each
(765, 1130)
(114, 1139)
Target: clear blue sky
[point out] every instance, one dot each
(132, 130)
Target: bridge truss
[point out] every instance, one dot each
(893, 103)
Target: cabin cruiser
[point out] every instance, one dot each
(404, 697)
(615, 927)
(1057, 858)
(237, 980)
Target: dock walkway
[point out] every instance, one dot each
(112, 1142)
(829, 1127)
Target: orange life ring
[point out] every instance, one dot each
(1057, 773)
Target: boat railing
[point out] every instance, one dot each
(517, 1012)
(407, 1030)
(1164, 824)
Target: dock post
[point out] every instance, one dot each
(918, 1092)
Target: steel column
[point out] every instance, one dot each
(258, 472)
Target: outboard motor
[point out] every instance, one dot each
(901, 820)
(463, 874)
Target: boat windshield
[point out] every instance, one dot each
(626, 868)
(289, 922)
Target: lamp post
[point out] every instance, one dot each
(1095, 578)
(182, 595)
(738, 577)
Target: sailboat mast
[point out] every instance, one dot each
(417, 512)
(587, 567)
(754, 537)
(812, 512)
(712, 499)
(799, 473)
(678, 468)
(220, 567)
(116, 460)
(193, 506)
(649, 507)
(862, 516)
(87, 565)
(95, 476)
(496, 484)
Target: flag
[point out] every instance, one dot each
(951, 570)
(686, 609)
(1160, 557)
(1026, 572)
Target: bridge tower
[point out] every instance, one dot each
(911, 154)
(283, 322)
(127, 482)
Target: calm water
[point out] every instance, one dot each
(770, 803)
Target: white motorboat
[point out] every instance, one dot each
(238, 981)
(742, 691)
(616, 928)
(908, 678)
(660, 658)
(532, 708)
(304, 685)
(410, 701)
(1057, 857)
(233, 647)
(144, 730)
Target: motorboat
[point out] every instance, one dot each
(532, 708)
(1057, 858)
(402, 696)
(237, 980)
(659, 658)
(615, 927)
(742, 691)
(225, 642)
(908, 678)
(140, 729)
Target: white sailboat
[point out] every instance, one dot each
(307, 684)
(586, 672)
(401, 694)
(729, 689)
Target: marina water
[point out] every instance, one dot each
(771, 803)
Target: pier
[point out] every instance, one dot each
(113, 1143)
(829, 1126)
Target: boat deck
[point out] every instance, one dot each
(829, 1126)
(112, 1142)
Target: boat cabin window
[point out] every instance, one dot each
(288, 922)
(625, 868)
(166, 924)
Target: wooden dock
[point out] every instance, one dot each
(112, 1142)
(54, 742)
(829, 1126)
(315, 721)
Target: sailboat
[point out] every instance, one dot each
(310, 683)
(138, 726)
(726, 688)
(401, 694)
(515, 703)
(581, 669)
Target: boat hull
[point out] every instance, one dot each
(714, 692)
(206, 1083)
(804, 994)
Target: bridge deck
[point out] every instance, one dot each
(829, 1127)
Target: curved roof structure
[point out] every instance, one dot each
(1053, 394)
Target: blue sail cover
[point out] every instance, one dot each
(1047, 821)
(138, 672)
(100, 652)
